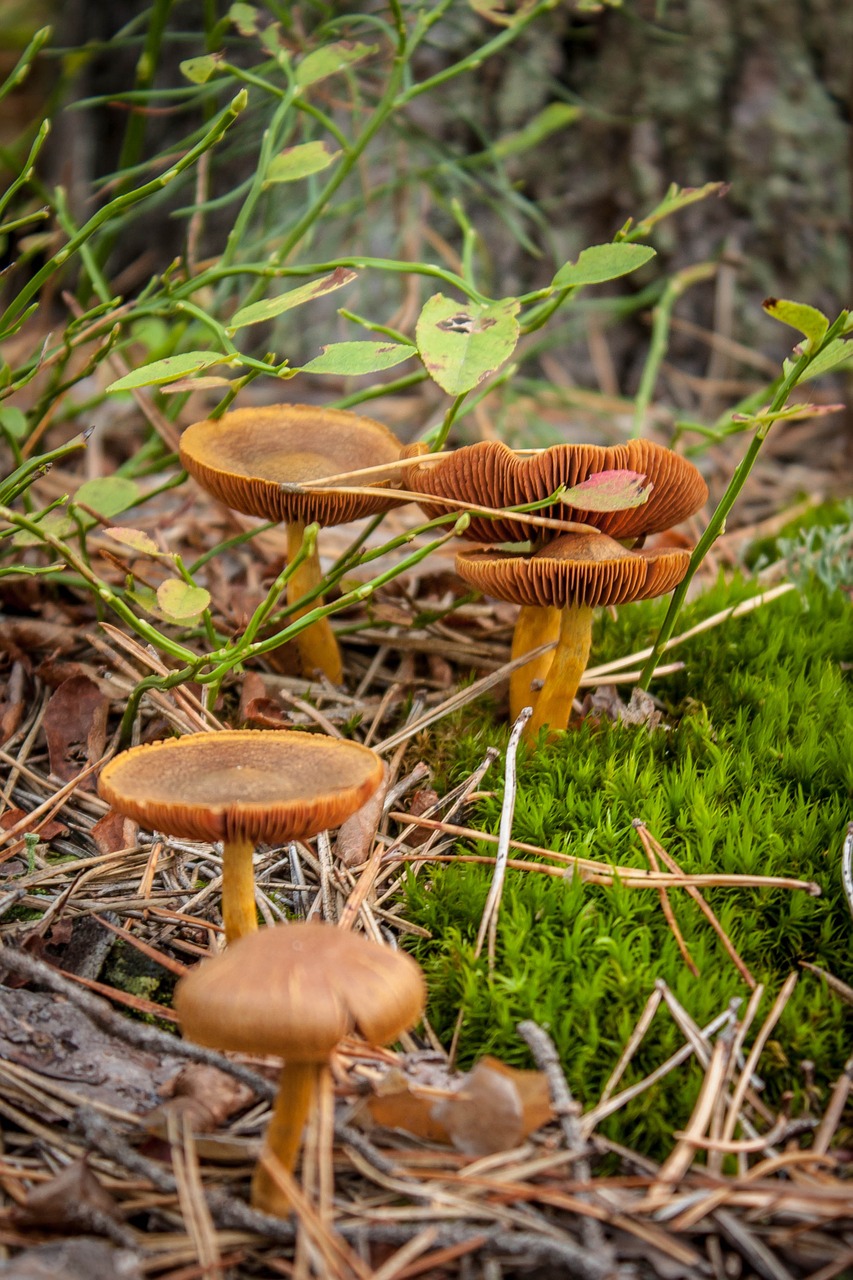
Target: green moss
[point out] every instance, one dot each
(752, 775)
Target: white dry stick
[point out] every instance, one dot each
(489, 922)
(847, 866)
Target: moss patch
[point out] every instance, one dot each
(753, 775)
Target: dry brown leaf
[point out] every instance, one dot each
(75, 725)
(113, 832)
(357, 834)
(72, 1200)
(205, 1096)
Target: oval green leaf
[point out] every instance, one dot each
(461, 344)
(328, 61)
(180, 600)
(602, 262)
(299, 162)
(108, 495)
(168, 370)
(352, 359)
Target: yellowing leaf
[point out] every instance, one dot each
(180, 601)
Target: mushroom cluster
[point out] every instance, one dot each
(241, 786)
(246, 457)
(560, 581)
(295, 991)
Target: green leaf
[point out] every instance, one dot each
(835, 355)
(609, 491)
(108, 495)
(13, 421)
(56, 522)
(180, 600)
(503, 13)
(135, 540)
(258, 312)
(244, 18)
(556, 116)
(154, 375)
(299, 162)
(461, 344)
(808, 320)
(602, 262)
(352, 359)
(199, 70)
(330, 60)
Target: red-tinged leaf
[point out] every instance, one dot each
(609, 491)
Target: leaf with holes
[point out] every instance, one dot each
(609, 491)
(602, 262)
(269, 308)
(353, 359)
(180, 600)
(461, 344)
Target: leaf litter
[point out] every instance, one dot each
(138, 1147)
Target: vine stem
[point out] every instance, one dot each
(717, 523)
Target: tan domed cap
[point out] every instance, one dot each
(242, 784)
(297, 990)
(243, 458)
(577, 568)
(491, 474)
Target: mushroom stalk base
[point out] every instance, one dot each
(239, 914)
(554, 705)
(284, 1135)
(317, 646)
(535, 626)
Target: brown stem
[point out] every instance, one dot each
(535, 626)
(284, 1135)
(238, 889)
(318, 648)
(554, 705)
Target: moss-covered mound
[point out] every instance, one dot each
(753, 774)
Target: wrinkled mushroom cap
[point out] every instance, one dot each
(297, 990)
(576, 568)
(243, 457)
(242, 784)
(491, 474)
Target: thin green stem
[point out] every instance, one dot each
(716, 524)
(118, 206)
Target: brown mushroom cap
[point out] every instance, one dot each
(576, 568)
(243, 457)
(491, 474)
(242, 784)
(297, 990)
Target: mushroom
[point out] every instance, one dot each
(296, 990)
(241, 786)
(574, 573)
(491, 474)
(244, 458)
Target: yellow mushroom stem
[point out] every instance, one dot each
(296, 1089)
(554, 704)
(317, 646)
(536, 625)
(238, 889)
